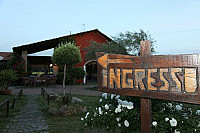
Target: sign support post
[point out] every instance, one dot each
(145, 103)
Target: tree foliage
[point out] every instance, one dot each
(66, 53)
(109, 47)
(131, 40)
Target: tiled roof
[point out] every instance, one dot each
(5, 55)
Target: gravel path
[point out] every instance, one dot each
(30, 119)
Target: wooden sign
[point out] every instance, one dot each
(167, 77)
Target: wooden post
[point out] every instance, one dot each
(24, 56)
(8, 107)
(145, 103)
(48, 98)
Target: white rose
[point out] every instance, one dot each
(119, 101)
(176, 131)
(166, 119)
(154, 123)
(126, 123)
(118, 119)
(112, 96)
(100, 111)
(105, 95)
(100, 100)
(118, 110)
(87, 114)
(82, 119)
(169, 105)
(198, 112)
(178, 107)
(119, 125)
(117, 97)
(124, 103)
(173, 122)
(106, 107)
(130, 105)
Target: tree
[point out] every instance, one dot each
(109, 47)
(67, 54)
(131, 40)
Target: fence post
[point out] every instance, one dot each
(48, 98)
(8, 107)
(145, 103)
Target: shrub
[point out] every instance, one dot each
(6, 77)
(117, 114)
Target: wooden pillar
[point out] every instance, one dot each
(145, 103)
(24, 56)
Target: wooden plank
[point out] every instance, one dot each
(154, 76)
(145, 103)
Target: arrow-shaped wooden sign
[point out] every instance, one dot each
(169, 77)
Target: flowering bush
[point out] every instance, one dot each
(122, 114)
(113, 113)
(175, 117)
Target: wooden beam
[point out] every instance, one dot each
(145, 103)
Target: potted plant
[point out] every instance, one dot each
(6, 78)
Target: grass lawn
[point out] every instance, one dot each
(70, 123)
(4, 120)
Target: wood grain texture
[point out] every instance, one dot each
(190, 80)
(145, 104)
(114, 78)
(127, 82)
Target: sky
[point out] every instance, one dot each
(174, 24)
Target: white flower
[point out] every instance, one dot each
(118, 119)
(106, 113)
(169, 105)
(119, 125)
(154, 123)
(118, 110)
(173, 122)
(105, 95)
(119, 106)
(198, 125)
(126, 123)
(112, 96)
(178, 107)
(166, 119)
(124, 103)
(119, 101)
(87, 114)
(100, 100)
(198, 112)
(100, 111)
(106, 107)
(117, 97)
(176, 131)
(82, 119)
(130, 105)
(190, 110)
(95, 114)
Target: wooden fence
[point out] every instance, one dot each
(43, 92)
